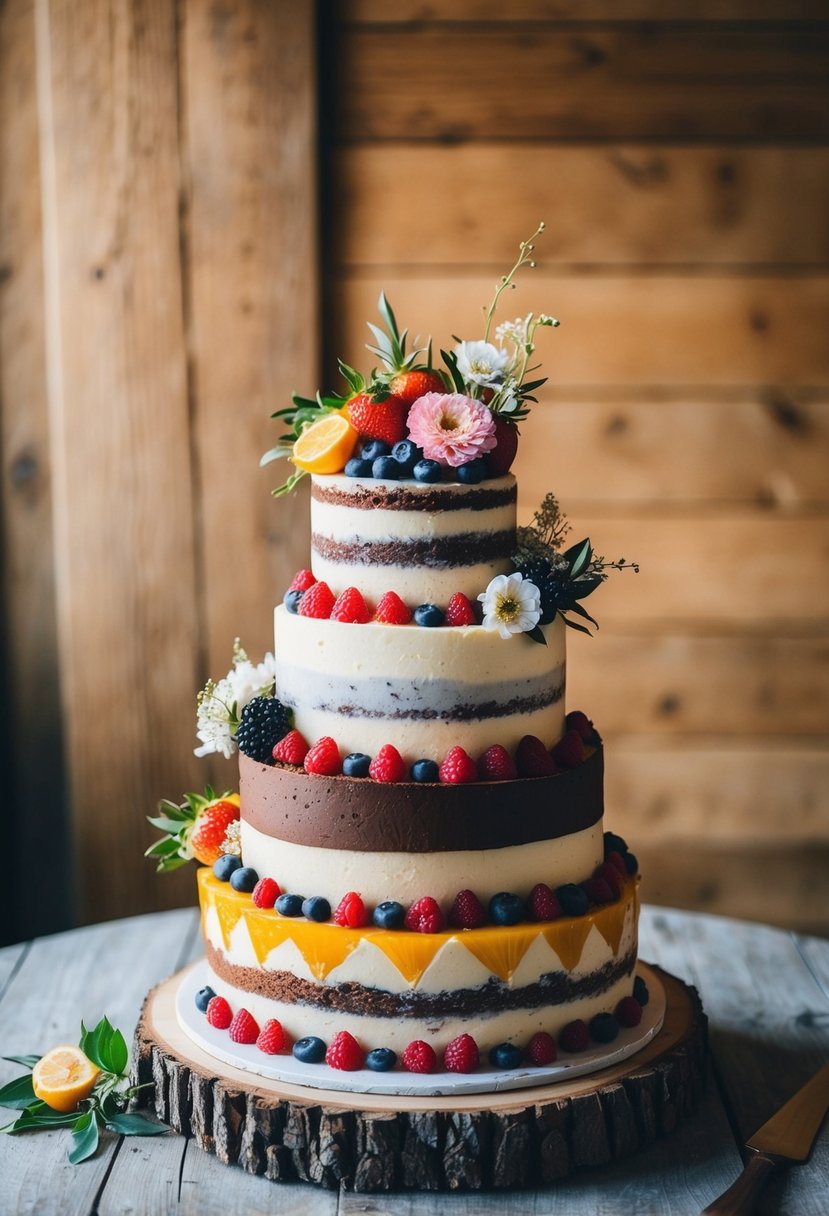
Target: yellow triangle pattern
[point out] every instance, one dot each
(567, 938)
(500, 950)
(410, 953)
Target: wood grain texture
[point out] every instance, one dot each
(119, 433)
(249, 127)
(655, 81)
(404, 11)
(655, 204)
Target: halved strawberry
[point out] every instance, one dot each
(195, 827)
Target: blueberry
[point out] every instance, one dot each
(244, 878)
(425, 770)
(506, 908)
(357, 468)
(573, 899)
(224, 866)
(356, 765)
(290, 905)
(309, 1050)
(386, 468)
(389, 915)
(631, 863)
(427, 471)
(291, 601)
(429, 615)
(407, 454)
(505, 1055)
(473, 472)
(381, 1059)
(640, 991)
(614, 844)
(316, 908)
(203, 998)
(374, 448)
(603, 1028)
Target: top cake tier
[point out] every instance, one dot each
(425, 542)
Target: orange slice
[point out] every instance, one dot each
(326, 445)
(64, 1077)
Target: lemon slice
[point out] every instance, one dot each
(64, 1077)
(326, 445)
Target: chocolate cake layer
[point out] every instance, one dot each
(288, 804)
(463, 549)
(400, 498)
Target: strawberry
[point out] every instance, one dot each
(323, 758)
(542, 903)
(218, 1013)
(351, 913)
(569, 751)
(388, 765)
(532, 758)
(424, 916)
(265, 893)
(391, 610)
(576, 720)
(419, 1057)
(574, 1037)
(496, 764)
(345, 1053)
(317, 602)
(609, 874)
(628, 1012)
(499, 460)
(458, 768)
(271, 1037)
(459, 611)
(292, 749)
(302, 580)
(541, 1049)
(194, 828)
(350, 608)
(462, 1054)
(408, 386)
(244, 1028)
(467, 911)
(378, 415)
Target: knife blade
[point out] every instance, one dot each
(786, 1138)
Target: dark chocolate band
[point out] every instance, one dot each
(289, 804)
(554, 988)
(399, 498)
(439, 552)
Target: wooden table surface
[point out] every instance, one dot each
(766, 993)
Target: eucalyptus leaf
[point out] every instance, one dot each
(84, 1138)
(135, 1125)
(26, 1061)
(18, 1094)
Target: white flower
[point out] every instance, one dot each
(514, 331)
(220, 705)
(481, 362)
(512, 604)
(247, 681)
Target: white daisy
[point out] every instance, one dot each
(481, 363)
(512, 604)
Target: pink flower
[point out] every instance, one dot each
(451, 428)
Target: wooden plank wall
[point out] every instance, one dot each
(158, 300)
(679, 154)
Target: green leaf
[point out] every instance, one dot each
(26, 1061)
(135, 1125)
(575, 625)
(173, 826)
(38, 1114)
(105, 1046)
(578, 557)
(18, 1094)
(585, 586)
(537, 635)
(84, 1138)
(450, 359)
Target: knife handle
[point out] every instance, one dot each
(740, 1198)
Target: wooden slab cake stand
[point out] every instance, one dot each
(375, 1142)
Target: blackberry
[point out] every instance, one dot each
(264, 722)
(552, 584)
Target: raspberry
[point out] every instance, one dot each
(391, 610)
(532, 758)
(542, 903)
(292, 749)
(569, 751)
(462, 1054)
(618, 862)
(218, 1013)
(244, 1028)
(598, 891)
(350, 608)
(424, 916)
(265, 893)
(302, 580)
(576, 720)
(271, 1038)
(458, 768)
(388, 765)
(345, 1053)
(317, 602)
(609, 874)
(419, 1057)
(574, 1037)
(459, 611)
(496, 764)
(323, 758)
(467, 911)
(628, 1012)
(541, 1049)
(350, 912)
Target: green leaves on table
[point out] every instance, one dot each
(106, 1107)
